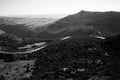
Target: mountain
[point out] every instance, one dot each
(31, 22)
(23, 27)
(104, 24)
(85, 23)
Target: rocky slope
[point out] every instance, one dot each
(78, 58)
(70, 58)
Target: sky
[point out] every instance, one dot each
(51, 7)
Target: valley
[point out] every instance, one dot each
(81, 46)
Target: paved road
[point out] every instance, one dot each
(3, 52)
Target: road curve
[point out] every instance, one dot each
(3, 52)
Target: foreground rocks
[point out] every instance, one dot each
(76, 58)
(16, 70)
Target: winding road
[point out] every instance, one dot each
(3, 52)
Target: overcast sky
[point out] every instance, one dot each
(40, 7)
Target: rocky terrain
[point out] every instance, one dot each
(73, 58)
(77, 58)
(16, 70)
(83, 46)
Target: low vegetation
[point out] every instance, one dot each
(75, 58)
(82, 58)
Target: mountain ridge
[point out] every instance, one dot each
(81, 23)
(85, 22)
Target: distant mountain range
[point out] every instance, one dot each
(23, 27)
(31, 22)
(83, 23)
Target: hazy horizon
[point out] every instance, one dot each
(37, 16)
(54, 7)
